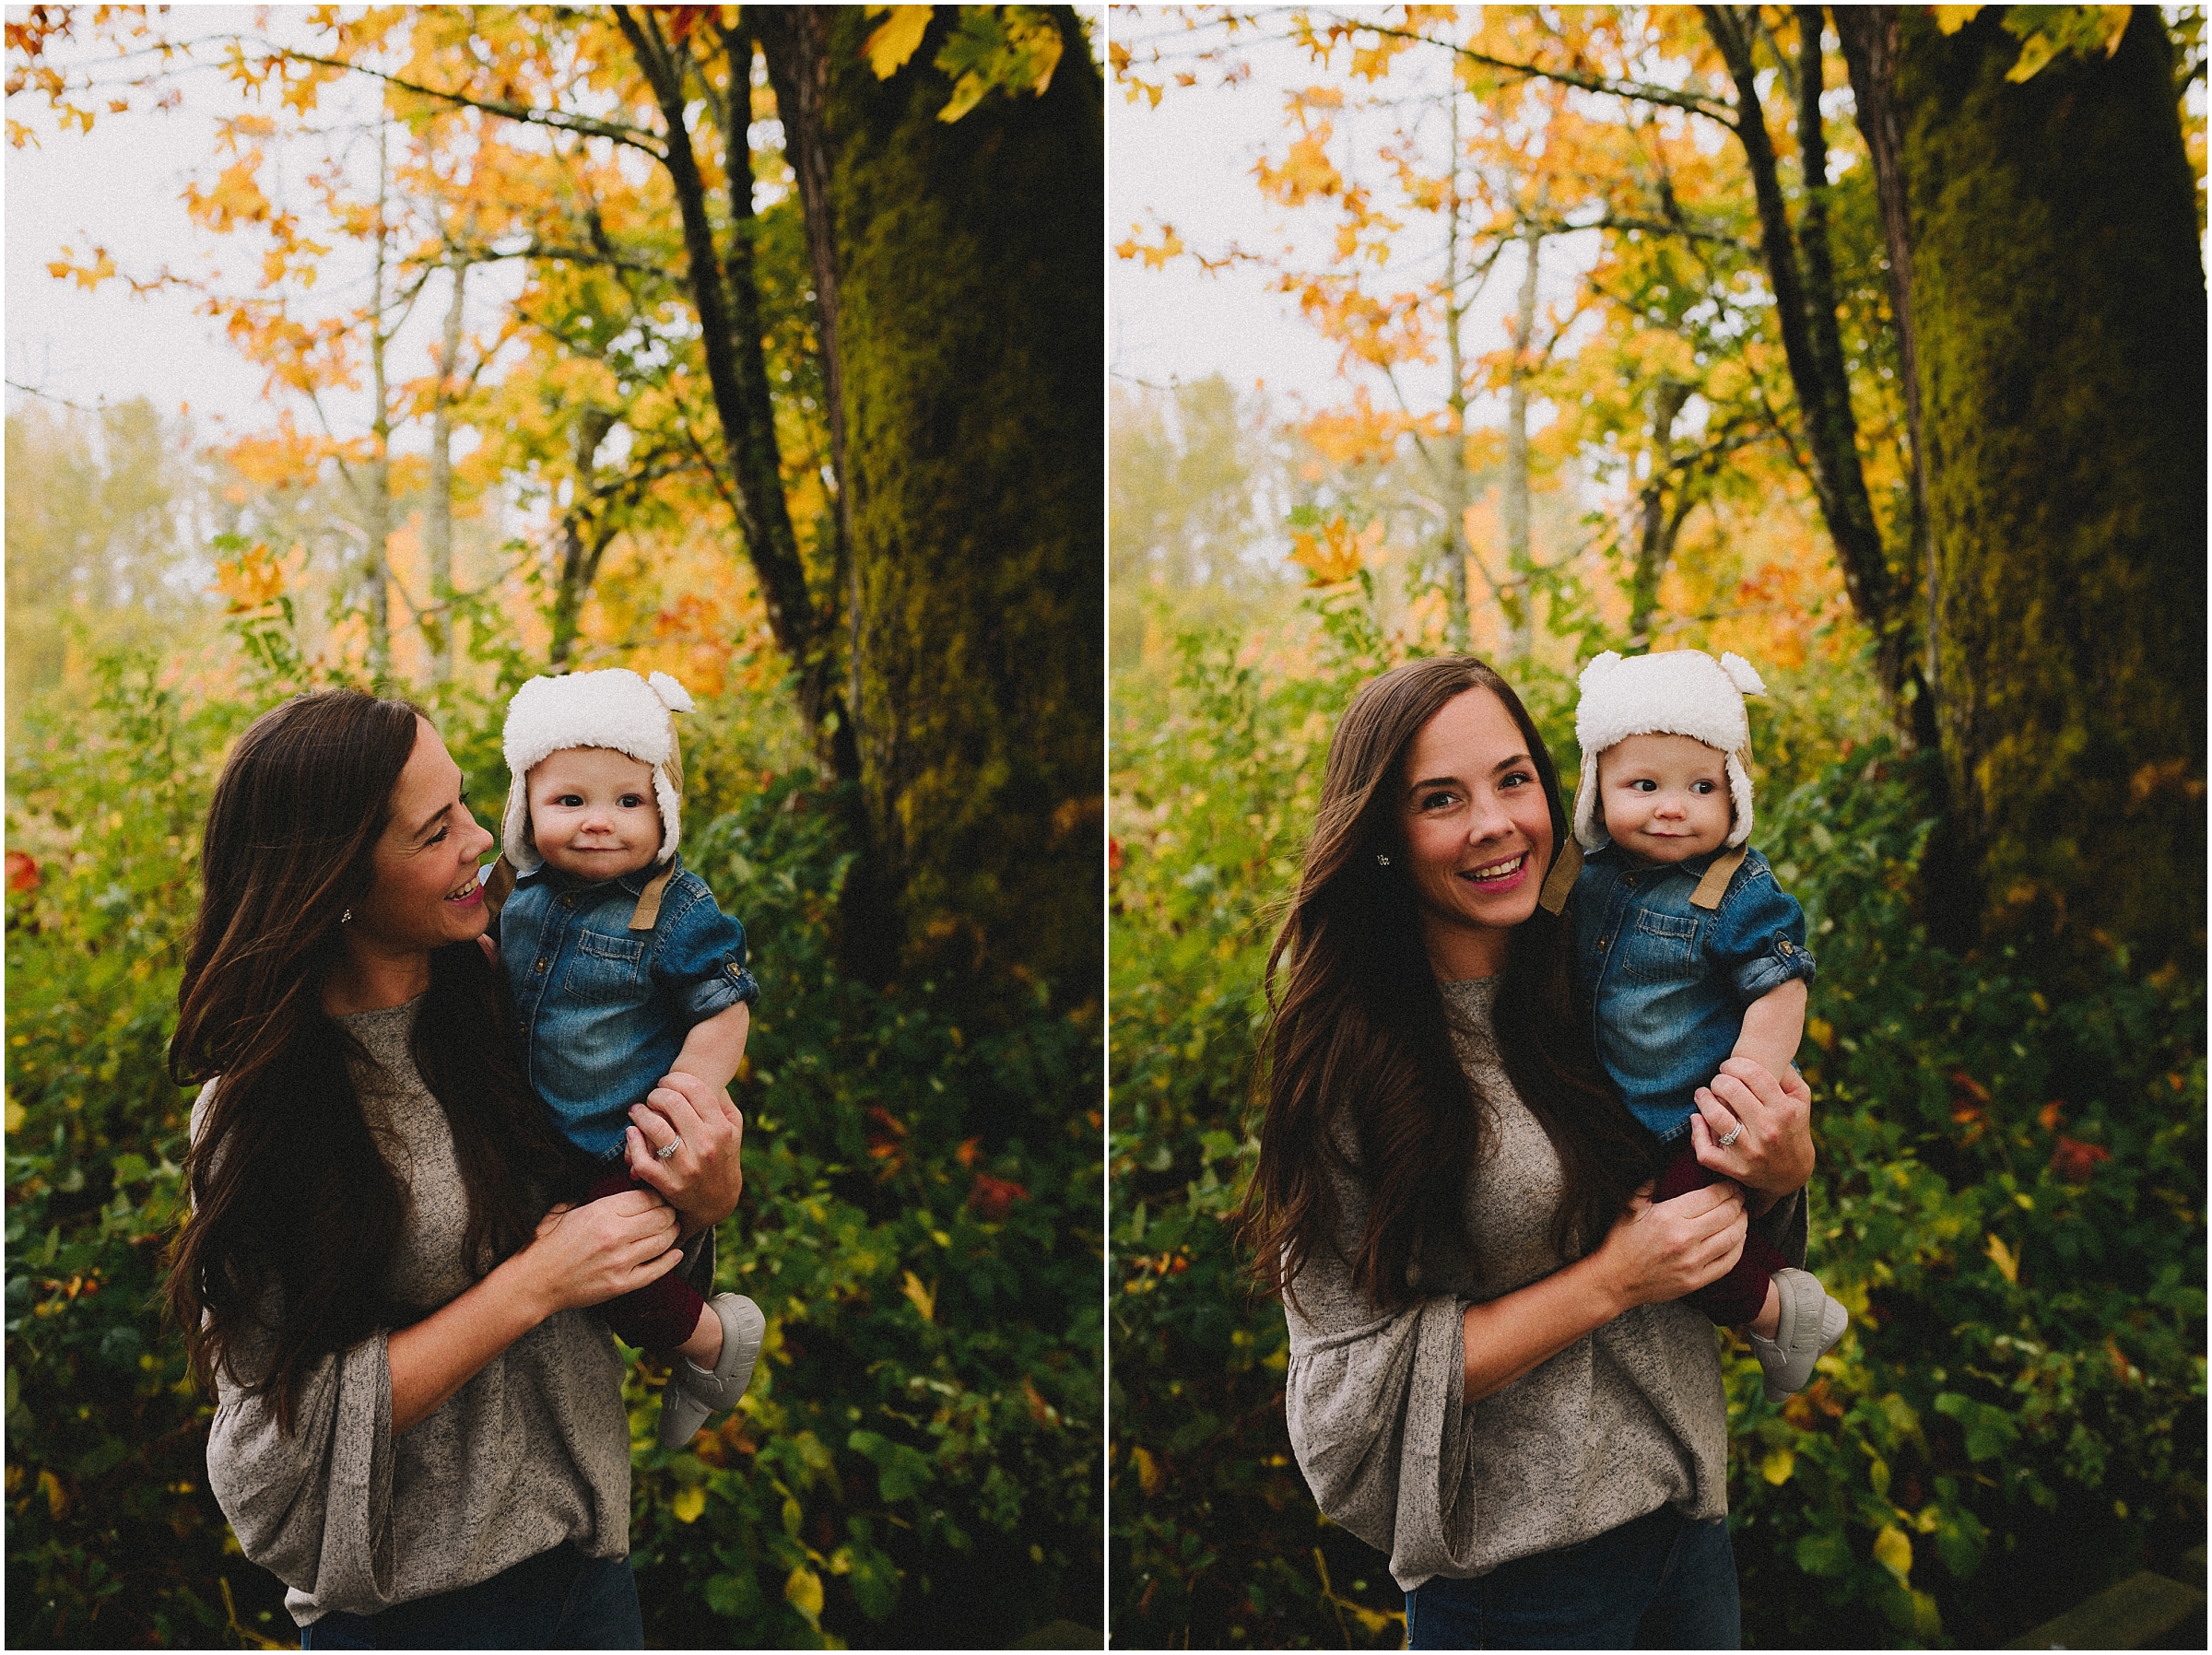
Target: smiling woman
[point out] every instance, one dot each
(1488, 1377)
(418, 1431)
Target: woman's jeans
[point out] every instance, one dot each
(1660, 1582)
(558, 1599)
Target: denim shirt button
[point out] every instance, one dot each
(1785, 945)
(542, 965)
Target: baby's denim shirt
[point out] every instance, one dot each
(1668, 981)
(605, 1009)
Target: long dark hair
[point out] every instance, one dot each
(295, 1211)
(1358, 1029)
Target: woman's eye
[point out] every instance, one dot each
(439, 837)
(1518, 779)
(1438, 801)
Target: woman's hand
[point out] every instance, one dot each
(589, 1254)
(1772, 1155)
(580, 1256)
(702, 1176)
(1652, 1254)
(1655, 1253)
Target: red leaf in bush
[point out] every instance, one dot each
(22, 871)
(994, 1198)
(1113, 855)
(2074, 1161)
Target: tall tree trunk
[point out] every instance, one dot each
(1456, 486)
(377, 505)
(967, 287)
(727, 301)
(1520, 563)
(2057, 307)
(1798, 268)
(438, 625)
(1661, 523)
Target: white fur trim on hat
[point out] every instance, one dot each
(611, 709)
(1676, 692)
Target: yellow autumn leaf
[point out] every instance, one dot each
(1337, 553)
(15, 1115)
(1821, 1032)
(1147, 1470)
(2039, 50)
(893, 41)
(1373, 1620)
(1952, 19)
(1777, 1466)
(689, 1503)
(2006, 1259)
(1893, 1551)
(58, 1498)
(803, 1591)
(923, 1299)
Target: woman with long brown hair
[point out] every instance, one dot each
(418, 1429)
(1488, 1379)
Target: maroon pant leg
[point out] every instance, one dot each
(663, 1313)
(1735, 1297)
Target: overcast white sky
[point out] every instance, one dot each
(1189, 163)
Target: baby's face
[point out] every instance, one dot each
(1664, 798)
(592, 813)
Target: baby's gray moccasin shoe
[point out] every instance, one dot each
(1811, 1323)
(691, 1393)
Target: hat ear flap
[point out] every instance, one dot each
(1742, 675)
(673, 694)
(1599, 666)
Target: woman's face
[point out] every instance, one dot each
(425, 893)
(1477, 832)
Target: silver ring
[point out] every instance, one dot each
(669, 1148)
(1734, 1133)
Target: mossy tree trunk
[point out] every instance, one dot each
(967, 290)
(2056, 308)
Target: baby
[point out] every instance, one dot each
(1690, 951)
(624, 969)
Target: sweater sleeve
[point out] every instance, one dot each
(1375, 1406)
(314, 1508)
(1378, 1423)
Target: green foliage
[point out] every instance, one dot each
(920, 1226)
(2009, 1198)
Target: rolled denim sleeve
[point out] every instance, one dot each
(1758, 938)
(698, 954)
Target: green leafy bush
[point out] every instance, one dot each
(2009, 1199)
(921, 1224)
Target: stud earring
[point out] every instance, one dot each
(345, 918)
(1382, 861)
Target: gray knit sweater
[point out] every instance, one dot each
(531, 1452)
(1623, 1421)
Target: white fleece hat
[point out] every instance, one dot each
(612, 709)
(1676, 692)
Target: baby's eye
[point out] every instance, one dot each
(632, 801)
(568, 801)
(1701, 787)
(1643, 784)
